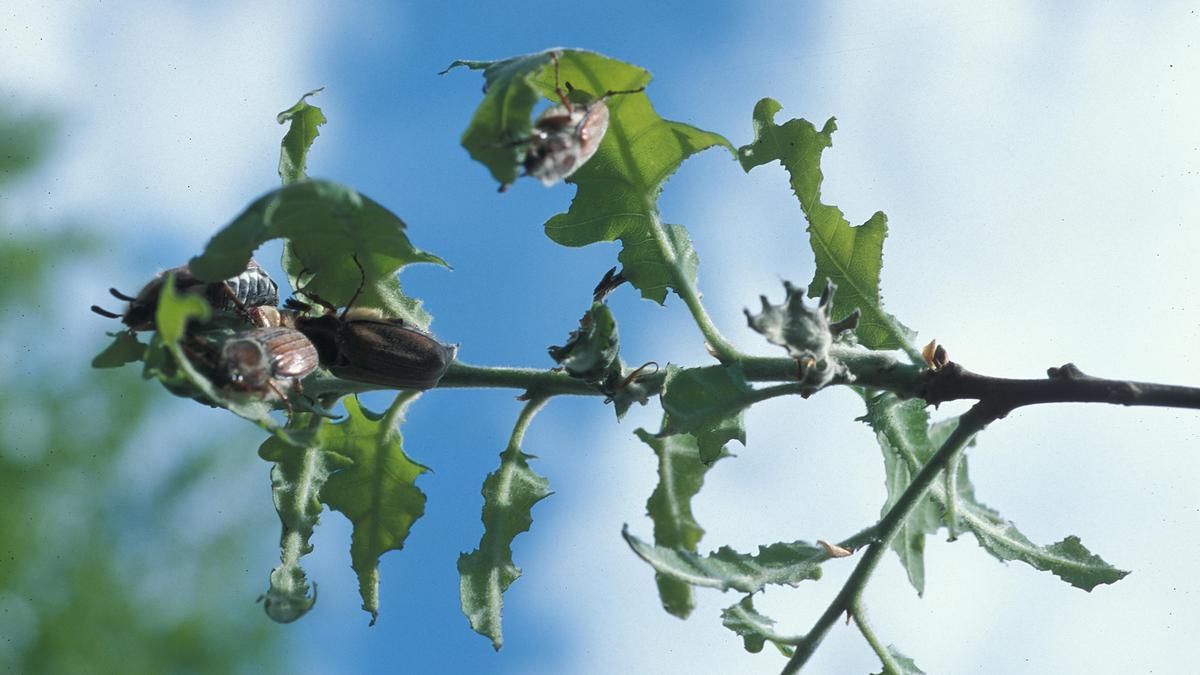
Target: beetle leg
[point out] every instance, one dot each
(286, 403)
(362, 281)
(562, 96)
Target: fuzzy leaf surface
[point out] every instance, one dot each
(756, 629)
(373, 485)
(593, 348)
(900, 422)
(851, 257)
(509, 494)
(680, 477)
(297, 475)
(305, 119)
(904, 665)
(327, 226)
(707, 403)
(779, 563)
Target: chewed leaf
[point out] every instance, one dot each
(509, 494)
(901, 664)
(374, 486)
(293, 151)
(680, 477)
(851, 257)
(780, 563)
(296, 479)
(591, 350)
(125, 348)
(707, 403)
(328, 226)
(903, 429)
(756, 629)
(505, 114)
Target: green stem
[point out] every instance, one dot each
(973, 421)
(531, 409)
(890, 667)
(720, 347)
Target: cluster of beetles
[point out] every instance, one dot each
(253, 346)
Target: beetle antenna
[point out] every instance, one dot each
(562, 96)
(104, 312)
(120, 296)
(362, 281)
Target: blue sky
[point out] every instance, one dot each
(1040, 171)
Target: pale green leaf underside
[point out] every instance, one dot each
(851, 257)
(509, 494)
(780, 563)
(374, 486)
(899, 422)
(680, 477)
(756, 629)
(297, 475)
(902, 664)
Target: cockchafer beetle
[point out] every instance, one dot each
(261, 361)
(364, 345)
(243, 294)
(565, 136)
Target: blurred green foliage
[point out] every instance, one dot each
(117, 554)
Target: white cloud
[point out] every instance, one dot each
(167, 109)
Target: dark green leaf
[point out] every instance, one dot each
(296, 479)
(374, 485)
(903, 664)
(327, 226)
(293, 151)
(756, 629)
(680, 477)
(780, 563)
(509, 494)
(707, 403)
(849, 256)
(125, 349)
(505, 114)
(591, 351)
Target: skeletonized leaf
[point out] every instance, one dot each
(509, 494)
(680, 477)
(849, 256)
(756, 629)
(706, 403)
(780, 563)
(373, 485)
(305, 119)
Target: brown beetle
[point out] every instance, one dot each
(364, 345)
(243, 294)
(263, 361)
(565, 136)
